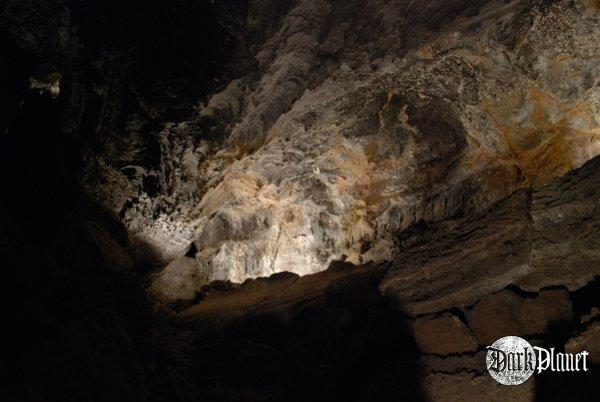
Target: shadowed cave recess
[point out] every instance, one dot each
(297, 200)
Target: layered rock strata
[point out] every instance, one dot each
(525, 267)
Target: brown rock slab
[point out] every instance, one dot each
(280, 295)
(565, 239)
(457, 264)
(495, 316)
(473, 363)
(593, 314)
(545, 238)
(588, 340)
(443, 335)
(549, 306)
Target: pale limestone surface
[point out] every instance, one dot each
(359, 121)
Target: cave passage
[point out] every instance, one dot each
(299, 200)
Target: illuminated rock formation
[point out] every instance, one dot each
(357, 124)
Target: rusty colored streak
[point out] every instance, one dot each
(500, 128)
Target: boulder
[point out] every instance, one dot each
(588, 340)
(443, 335)
(496, 316)
(550, 306)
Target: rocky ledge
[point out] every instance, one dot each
(527, 266)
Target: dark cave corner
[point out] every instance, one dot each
(556, 386)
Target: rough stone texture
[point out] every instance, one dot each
(452, 360)
(589, 340)
(326, 336)
(335, 125)
(592, 315)
(504, 313)
(496, 316)
(364, 119)
(472, 362)
(279, 294)
(443, 335)
(548, 307)
(241, 139)
(185, 279)
(457, 262)
(565, 217)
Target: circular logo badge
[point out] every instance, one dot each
(510, 360)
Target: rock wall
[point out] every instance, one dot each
(526, 267)
(224, 141)
(280, 136)
(454, 288)
(356, 121)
